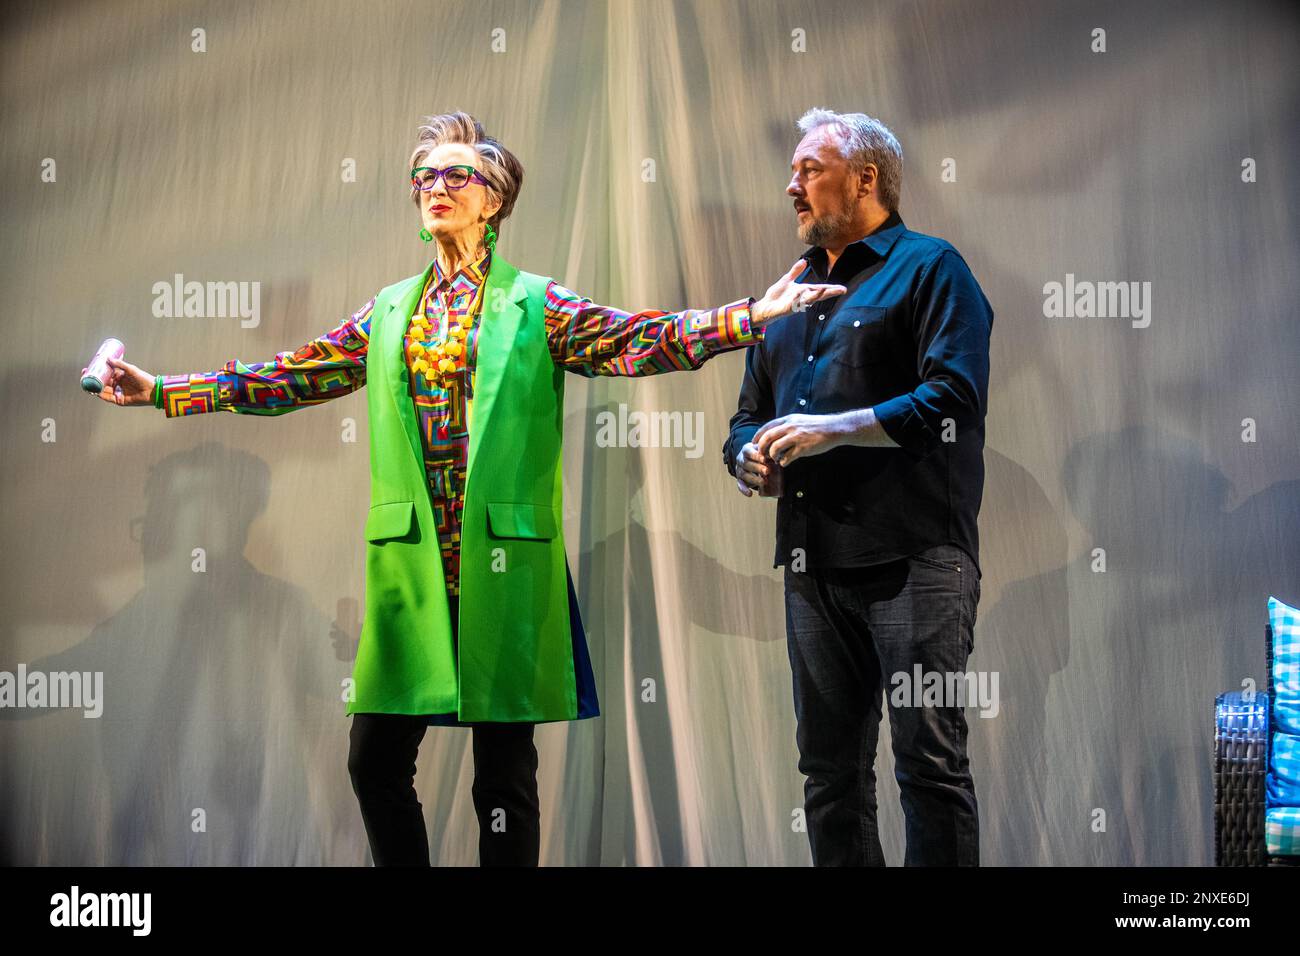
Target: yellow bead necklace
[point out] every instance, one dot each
(448, 358)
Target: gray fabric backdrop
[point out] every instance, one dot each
(222, 687)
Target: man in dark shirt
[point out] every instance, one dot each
(864, 416)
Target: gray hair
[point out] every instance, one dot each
(864, 140)
(500, 167)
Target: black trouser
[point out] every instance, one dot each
(381, 762)
(855, 635)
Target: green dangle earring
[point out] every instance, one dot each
(489, 237)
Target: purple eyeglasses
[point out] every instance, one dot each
(425, 178)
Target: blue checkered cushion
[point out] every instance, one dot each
(1282, 785)
(1286, 666)
(1283, 781)
(1282, 831)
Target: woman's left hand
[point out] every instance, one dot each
(788, 296)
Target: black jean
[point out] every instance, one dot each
(381, 763)
(853, 635)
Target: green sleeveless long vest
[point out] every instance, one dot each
(515, 656)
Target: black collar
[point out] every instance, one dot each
(880, 242)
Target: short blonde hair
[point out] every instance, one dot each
(500, 167)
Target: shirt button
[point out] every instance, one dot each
(810, 358)
(856, 324)
(803, 401)
(821, 318)
(798, 494)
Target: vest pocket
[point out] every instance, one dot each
(510, 519)
(389, 520)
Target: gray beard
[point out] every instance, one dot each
(820, 231)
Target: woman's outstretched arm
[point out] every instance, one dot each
(327, 367)
(592, 339)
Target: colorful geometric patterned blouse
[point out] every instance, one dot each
(644, 343)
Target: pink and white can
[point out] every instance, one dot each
(98, 373)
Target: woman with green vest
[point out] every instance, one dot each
(470, 614)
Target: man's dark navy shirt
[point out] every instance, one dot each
(909, 338)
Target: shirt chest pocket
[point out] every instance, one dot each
(858, 336)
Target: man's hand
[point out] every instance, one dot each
(756, 472)
(787, 296)
(791, 437)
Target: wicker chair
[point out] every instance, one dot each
(1243, 740)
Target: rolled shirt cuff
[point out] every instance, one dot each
(899, 419)
(741, 436)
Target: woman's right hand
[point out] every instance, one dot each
(129, 385)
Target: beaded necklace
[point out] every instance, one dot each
(445, 360)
